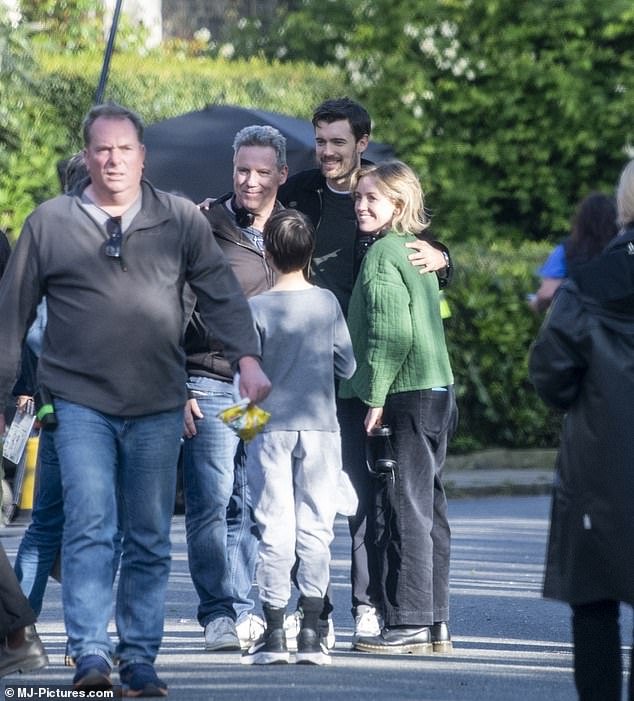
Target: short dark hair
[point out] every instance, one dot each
(340, 108)
(289, 240)
(110, 110)
(74, 172)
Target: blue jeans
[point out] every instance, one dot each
(43, 538)
(221, 547)
(116, 467)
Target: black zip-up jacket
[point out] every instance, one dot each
(205, 353)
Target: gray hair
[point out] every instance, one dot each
(625, 196)
(262, 135)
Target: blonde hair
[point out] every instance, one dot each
(625, 195)
(399, 184)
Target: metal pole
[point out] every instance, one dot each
(108, 54)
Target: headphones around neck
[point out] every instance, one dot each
(244, 217)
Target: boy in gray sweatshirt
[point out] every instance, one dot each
(294, 465)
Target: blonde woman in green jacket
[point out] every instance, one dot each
(404, 377)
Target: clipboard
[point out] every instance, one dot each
(17, 436)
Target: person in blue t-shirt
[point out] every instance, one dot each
(593, 225)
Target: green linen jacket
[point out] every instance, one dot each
(395, 325)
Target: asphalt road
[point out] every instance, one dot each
(509, 643)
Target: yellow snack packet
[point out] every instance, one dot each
(245, 419)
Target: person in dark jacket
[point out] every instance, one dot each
(21, 649)
(593, 226)
(20, 646)
(5, 251)
(221, 543)
(581, 363)
(342, 131)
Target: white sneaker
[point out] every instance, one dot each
(292, 624)
(220, 634)
(367, 622)
(249, 629)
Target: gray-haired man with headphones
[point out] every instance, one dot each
(222, 546)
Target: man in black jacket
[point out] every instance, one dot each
(342, 132)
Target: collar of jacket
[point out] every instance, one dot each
(216, 213)
(153, 210)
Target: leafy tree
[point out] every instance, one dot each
(511, 110)
(24, 120)
(15, 67)
(71, 24)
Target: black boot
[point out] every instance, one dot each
(271, 647)
(309, 648)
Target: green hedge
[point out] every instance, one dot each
(489, 333)
(158, 86)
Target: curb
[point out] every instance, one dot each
(503, 458)
(507, 489)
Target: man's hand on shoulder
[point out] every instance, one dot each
(206, 203)
(254, 384)
(426, 257)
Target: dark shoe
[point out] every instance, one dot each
(139, 679)
(310, 648)
(93, 674)
(398, 641)
(25, 658)
(269, 649)
(441, 638)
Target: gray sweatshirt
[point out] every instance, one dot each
(305, 344)
(113, 340)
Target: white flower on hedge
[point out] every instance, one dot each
(451, 51)
(428, 47)
(448, 29)
(203, 35)
(411, 30)
(459, 67)
(227, 50)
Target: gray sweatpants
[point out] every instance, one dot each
(293, 478)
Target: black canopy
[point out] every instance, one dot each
(192, 154)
